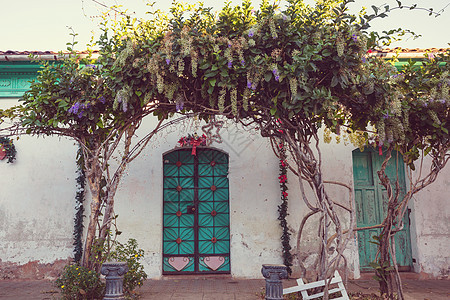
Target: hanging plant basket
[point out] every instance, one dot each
(7, 149)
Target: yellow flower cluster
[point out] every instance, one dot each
(340, 47)
(293, 86)
(233, 98)
(273, 30)
(221, 102)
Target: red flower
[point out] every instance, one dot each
(283, 164)
(285, 194)
(369, 51)
(282, 178)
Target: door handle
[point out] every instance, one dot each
(190, 209)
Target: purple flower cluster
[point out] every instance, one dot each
(74, 109)
(167, 61)
(102, 99)
(251, 85)
(230, 64)
(277, 76)
(179, 105)
(354, 37)
(78, 109)
(251, 33)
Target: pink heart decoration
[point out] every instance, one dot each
(214, 262)
(179, 263)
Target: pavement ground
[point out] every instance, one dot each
(219, 289)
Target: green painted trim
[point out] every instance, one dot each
(16, 77)
(15, 85)
(403, 62)
(19, 66)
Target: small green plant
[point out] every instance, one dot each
(131, 254)
(113, 250)
(78, 282)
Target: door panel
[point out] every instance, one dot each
(371, 200)
(196, 212)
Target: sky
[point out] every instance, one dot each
(41, 25)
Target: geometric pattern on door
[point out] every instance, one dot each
(196, 217)
(371, 199)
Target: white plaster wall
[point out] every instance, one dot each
(337, 167)
(254, 196)
(37, 200)
(430, 225)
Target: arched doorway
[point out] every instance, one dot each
(196, 218)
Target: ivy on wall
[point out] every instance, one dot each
(282, 210)
(7, 149)
(79, 207)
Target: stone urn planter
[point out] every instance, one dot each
(114, 272)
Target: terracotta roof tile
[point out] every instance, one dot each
(405, 53)
(411, 50)
(11, 52)
(387, 50)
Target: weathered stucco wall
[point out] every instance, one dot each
(430, 225)
(38, 197)
(254, 197)
(337, 168)
(36, 203)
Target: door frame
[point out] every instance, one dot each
(198, 259)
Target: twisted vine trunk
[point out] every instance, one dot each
(309, 170)
(390, 282)
(94, 177)
(390, 285)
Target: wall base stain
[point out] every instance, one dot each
(32, 270)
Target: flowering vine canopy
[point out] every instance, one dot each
(303, 64)
(300, 63)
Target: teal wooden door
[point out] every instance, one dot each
(196, 231)
(371, 199)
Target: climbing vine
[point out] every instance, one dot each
(7, 146)
(79, 207)
(282, 210)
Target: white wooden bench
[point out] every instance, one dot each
(304, 287)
